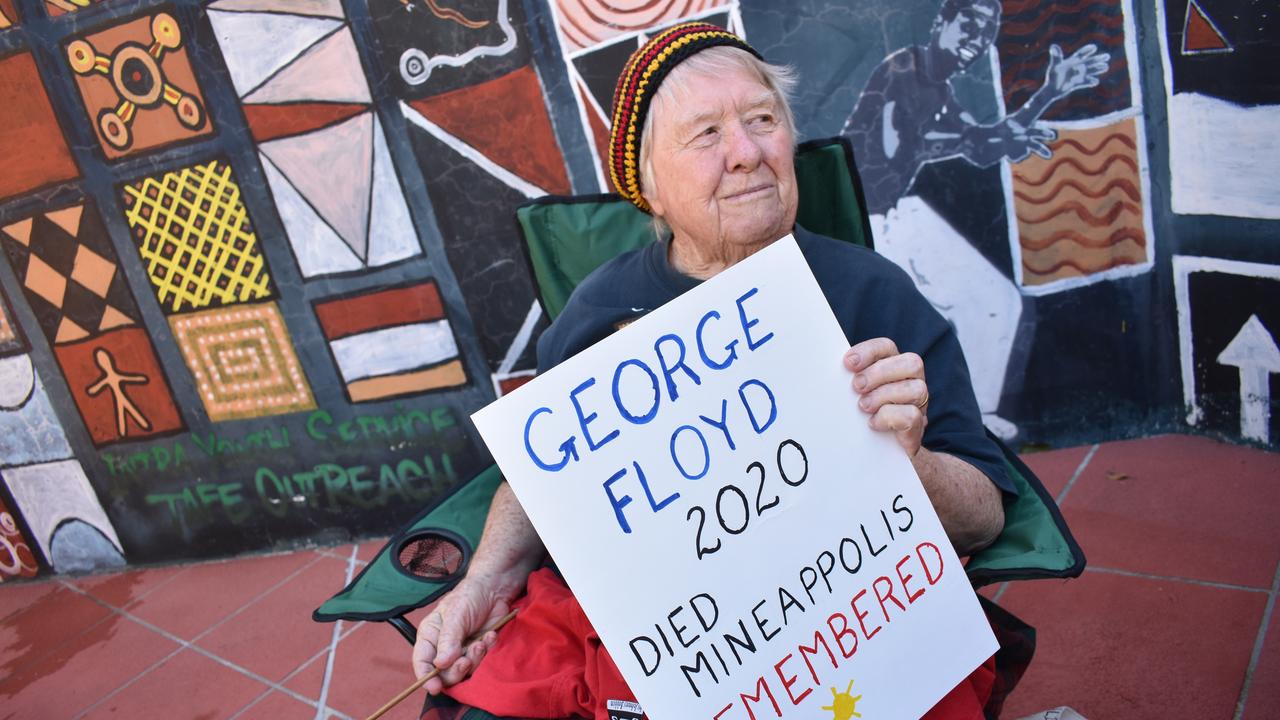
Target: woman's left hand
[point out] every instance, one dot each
(892, 388)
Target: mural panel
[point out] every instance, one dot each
(1036, 38)
(31, 141)
(119, 387)
(243, 362)
(71, 278)
(65, 516)
(392, 342)
(1060, 152)
(1080, 212)
(434, 48)
(1228, 325)
(597, 38)
(16, 557)
(485, 143)
(8, 15)
(299, 78)
(196, 238)
(137, 85)
(62, 7)
(1222, 78)
(29, 430)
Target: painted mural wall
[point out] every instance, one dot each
(260, 262)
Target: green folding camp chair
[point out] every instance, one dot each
(567, 238)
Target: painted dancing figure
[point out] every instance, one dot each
(908, 115)
(114, 380)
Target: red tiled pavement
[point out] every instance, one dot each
(189, 685)
(210, 592)
(1264, 693)
(278, 706)
(284, 616)
(1180, 506)
(38, 630)
(370, 667)
(18, 596)
(369, 549)
(1115, 646)
(122, 590)
(83, 670)
(1055, 467)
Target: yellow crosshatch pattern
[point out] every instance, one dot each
(195, 236)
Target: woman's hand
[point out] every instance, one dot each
(472, 604)
(893, 390)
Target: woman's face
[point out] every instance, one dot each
(722, 165)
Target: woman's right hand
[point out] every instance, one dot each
(474, 603)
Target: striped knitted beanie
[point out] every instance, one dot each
(637, 85)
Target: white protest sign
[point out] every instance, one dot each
(745, 545)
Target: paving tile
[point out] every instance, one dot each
(1263, 702)
(276, 635)
(58, 616)
(1180, 506)
(308, 679)
(990, 591)
(124, 589)
(208, 593)
(369, 549)
(1116, 646)
(18, 596)
(279, 706)
(371, 667)
(1055, 467)
(189, 685)
(341, 552)
(83, 670)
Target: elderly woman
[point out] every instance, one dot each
(703, 138)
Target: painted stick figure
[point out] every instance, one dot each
(115, 381)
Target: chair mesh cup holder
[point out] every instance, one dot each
(431, 555)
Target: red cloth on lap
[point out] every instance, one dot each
(549, 663)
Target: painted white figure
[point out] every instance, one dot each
(907, 117)
(965, 287)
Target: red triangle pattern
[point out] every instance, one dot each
(506, 120)
(269, 122)
(1200, 34)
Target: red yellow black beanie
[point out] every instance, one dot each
(637, 85)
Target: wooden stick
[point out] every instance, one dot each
(497, 625)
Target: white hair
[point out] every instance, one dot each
(716, 62)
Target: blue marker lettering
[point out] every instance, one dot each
(644, 483)
(566, 447)
(585, 420)
(616, 502)
(748, 324)
(723, 424)
(732, 347)
(773, 405)
(617, 396)
(706, 453)
(669, 370)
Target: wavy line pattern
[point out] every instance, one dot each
(1030, 28)
(587, 23)
(1081, 211)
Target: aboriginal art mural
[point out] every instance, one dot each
(259, 261)
(1222, 83)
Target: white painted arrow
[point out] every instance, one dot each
(1254, 351)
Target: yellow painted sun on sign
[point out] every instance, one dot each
(843, 705)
